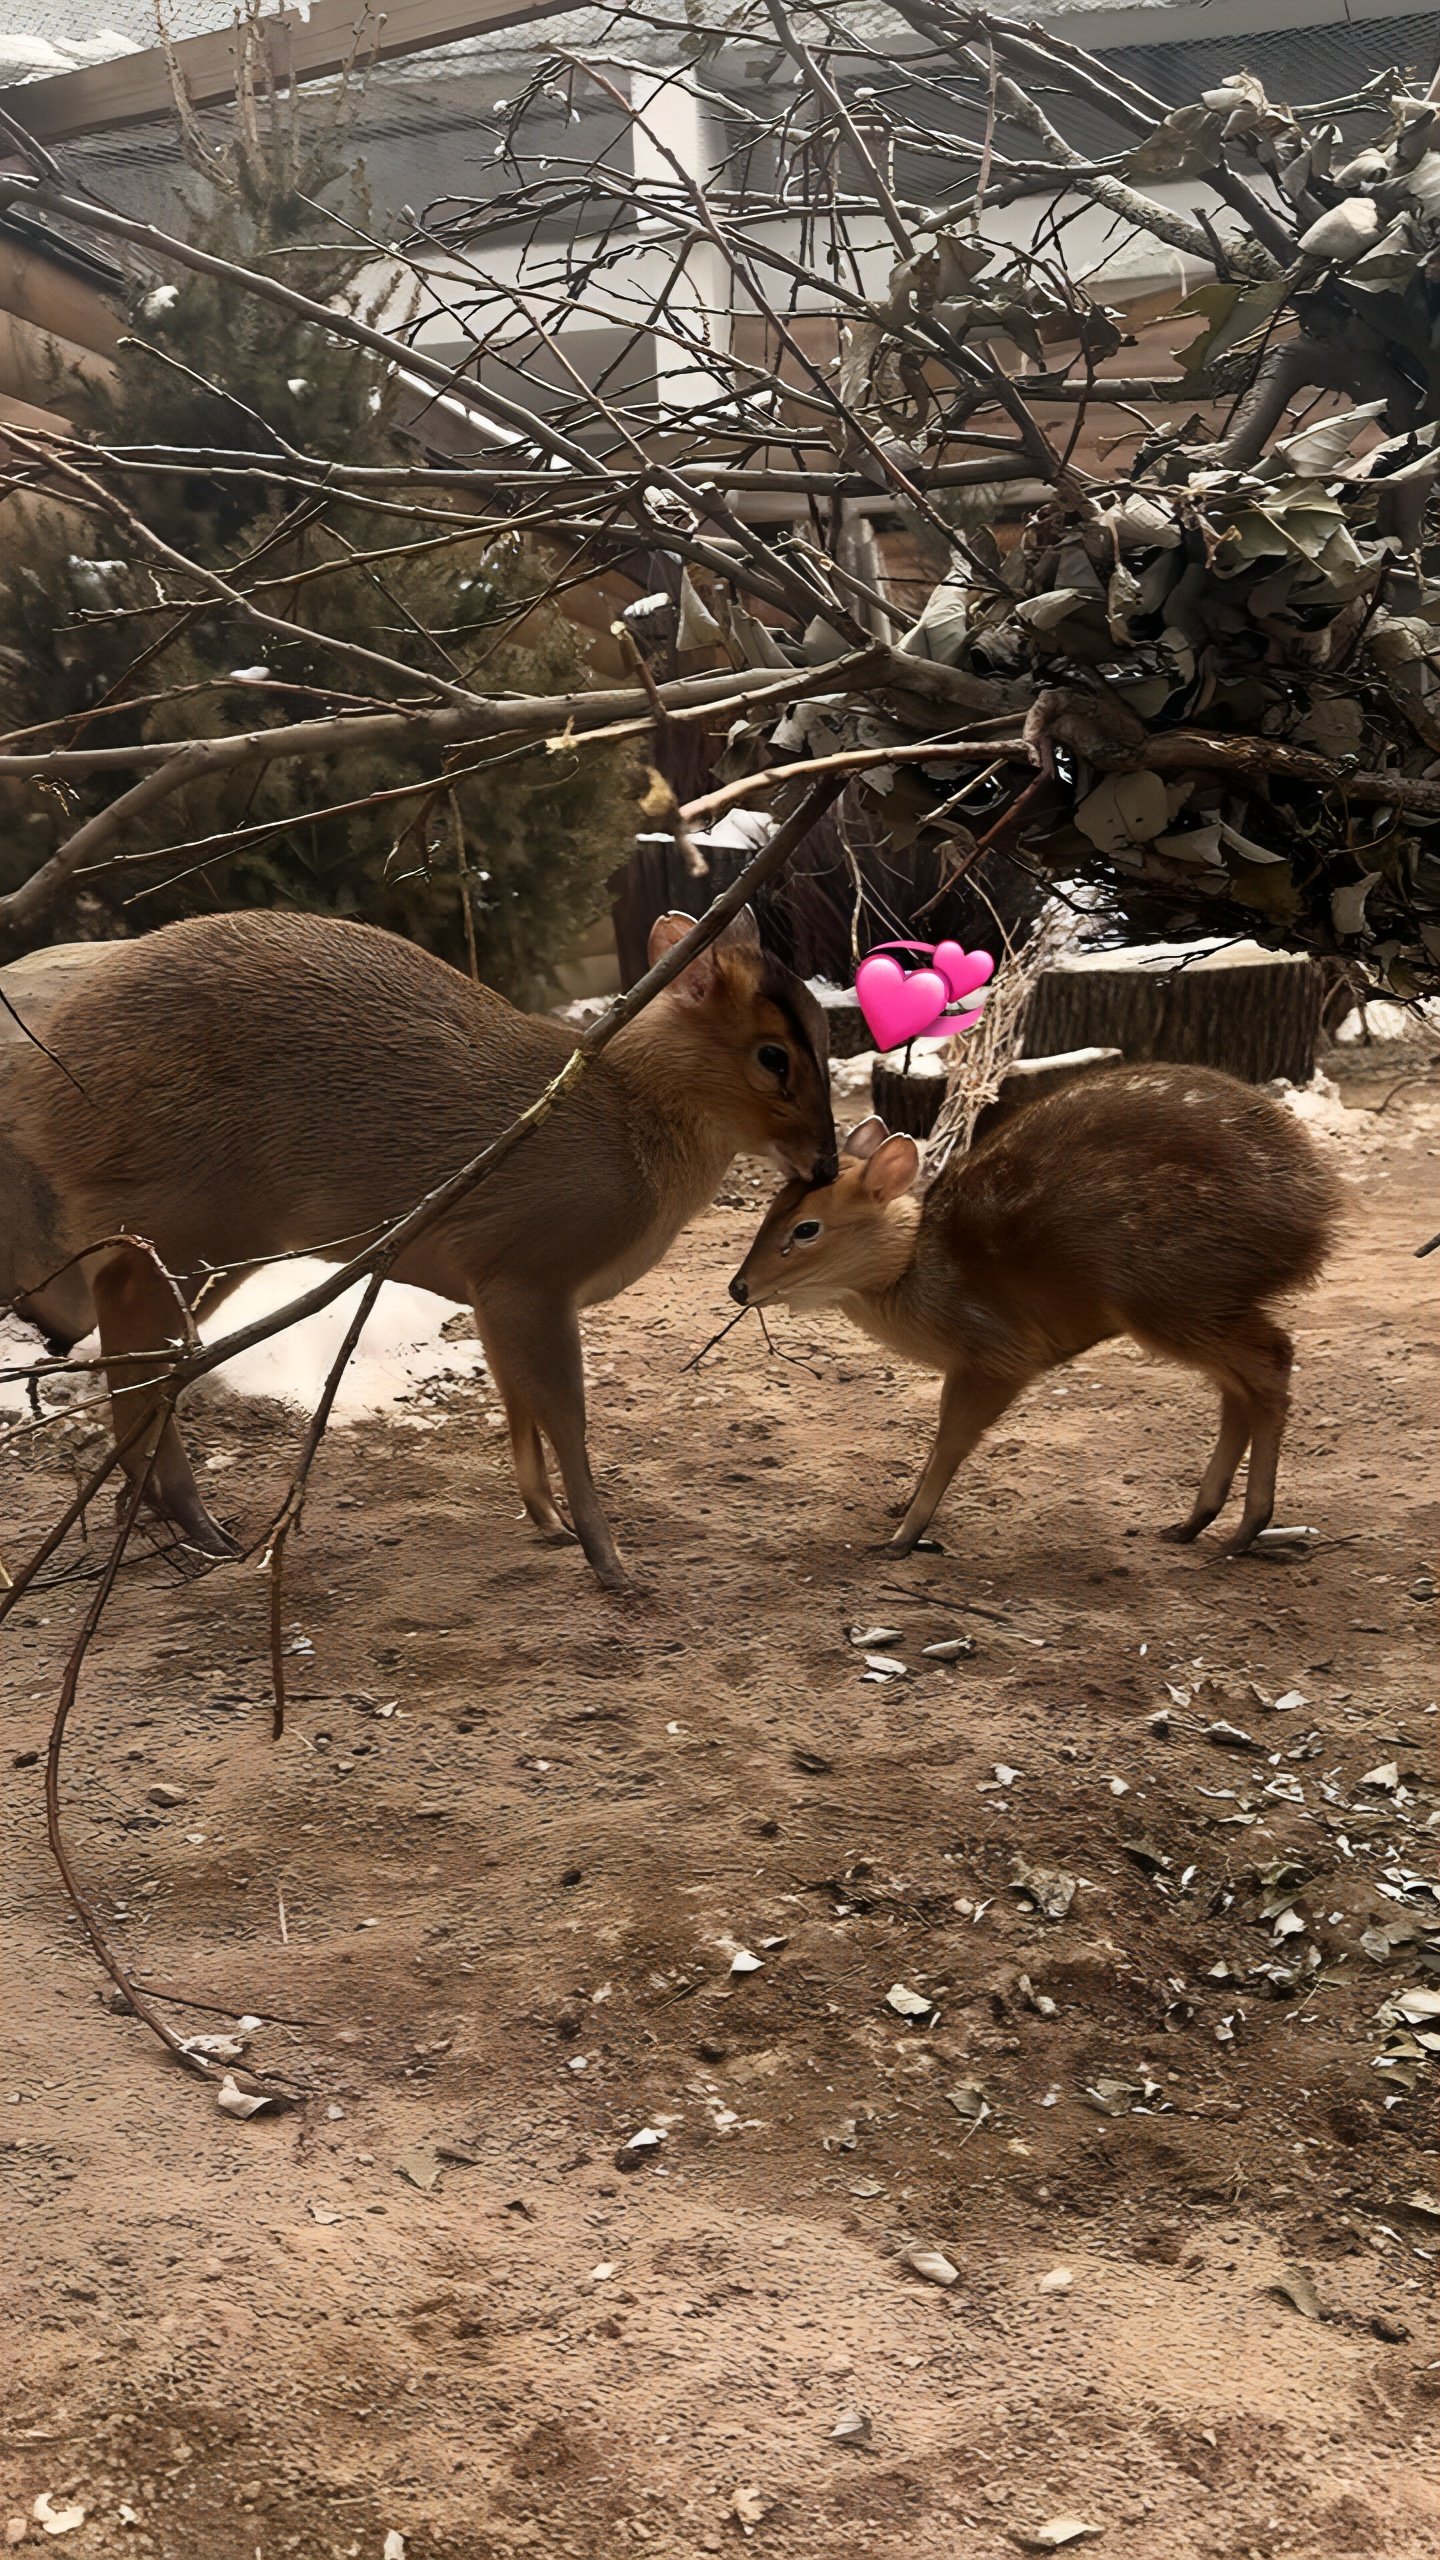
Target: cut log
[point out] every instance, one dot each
(850, 1033)
(1256, 1013)
(911, 1101)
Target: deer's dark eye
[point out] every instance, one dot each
(806, 1232)
(774, 1059)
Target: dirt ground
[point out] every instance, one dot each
(488, 1892)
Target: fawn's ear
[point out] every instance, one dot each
(739, 940)
(891, 1170)
(863, 1139)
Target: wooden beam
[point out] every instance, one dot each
(36, 363)
(137, 86)
(39, 291)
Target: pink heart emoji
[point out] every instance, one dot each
(963, 971)
(900, 1004)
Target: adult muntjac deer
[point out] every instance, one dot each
(1169, 1203)
(248, 1085)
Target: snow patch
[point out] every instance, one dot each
(401, 1355)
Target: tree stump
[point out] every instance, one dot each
(850, 1033)
(1256, 1013)
(907, 1101)
(912, 1102)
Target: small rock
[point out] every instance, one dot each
(55, 2519)
(232, 2100)
(907, 2003)
(24, 1760)
(949, 1649)
(713, 2049)
(216, 2048)
(419, 2167)
(851, 2427)
(1048, 1888)
(641, 2147)
(1385, 2325)
(572, 1875)
(165, 1795)
(931, 2265)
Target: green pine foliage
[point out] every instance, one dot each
(88, 617)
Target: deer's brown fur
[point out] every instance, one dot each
(1169, 1203)
(249, 1085)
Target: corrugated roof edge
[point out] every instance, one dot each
(45, 243)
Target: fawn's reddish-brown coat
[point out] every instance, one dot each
(1169, 1203)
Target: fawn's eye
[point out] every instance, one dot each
(774, 1059)
(806, 1232)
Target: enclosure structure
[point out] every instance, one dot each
(866, 315)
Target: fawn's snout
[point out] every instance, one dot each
(848, 1229)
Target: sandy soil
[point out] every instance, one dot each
(497, 1873)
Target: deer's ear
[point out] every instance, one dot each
(707, 971)
(863, 1139)
(891, 1170)
(742, 933)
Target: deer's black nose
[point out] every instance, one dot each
(739, 1292)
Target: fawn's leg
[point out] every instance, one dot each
(1220, 1473)
(1261, 1355)
(139, 1310)
(536, 1355)
(969, 1403)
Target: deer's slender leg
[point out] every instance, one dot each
(1263, 1357)
(534, 1349)
(1220, 1473)
(140, 1311)
(969, 1404)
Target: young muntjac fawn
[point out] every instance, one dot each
(249, 1085)
(1169, 1203)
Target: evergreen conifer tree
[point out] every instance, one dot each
(499, 867)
